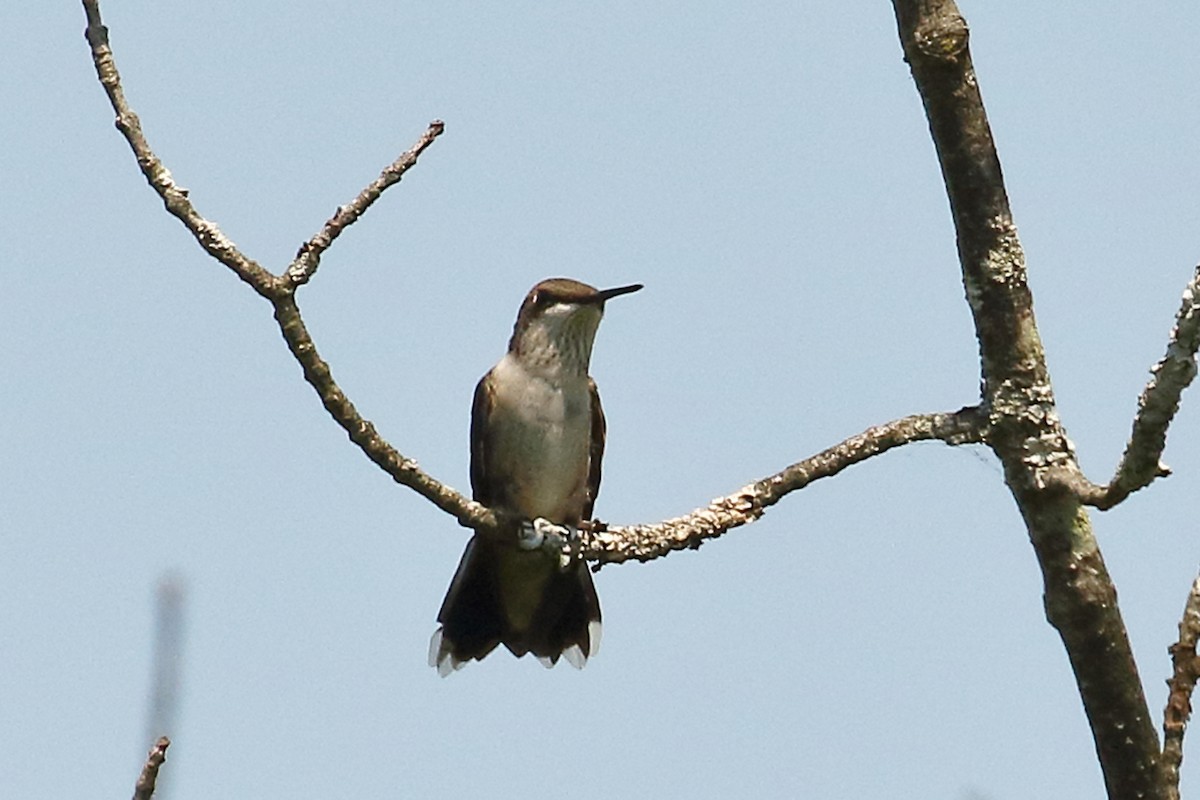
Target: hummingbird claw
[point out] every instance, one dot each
(557, 540)
(530, 536)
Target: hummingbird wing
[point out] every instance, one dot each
(472, 614)
(481, 410)
(595, 451)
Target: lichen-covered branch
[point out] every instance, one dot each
(612, 545)
(1157, 406)
(1186, 669)
(144, 788)
(1024, 428)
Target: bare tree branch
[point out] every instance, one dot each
(403, 470)
(206, 232)
(144, 789)
(174, 196)
(280, 291)
(1024, 427)
(1157, 406)
(645, 542)
(1180, 687)
(305, 264)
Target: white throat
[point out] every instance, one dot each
(558, 343)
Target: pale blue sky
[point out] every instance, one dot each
(765, 170)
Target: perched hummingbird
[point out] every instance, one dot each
(537, 438)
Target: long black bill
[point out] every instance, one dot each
(608, 294)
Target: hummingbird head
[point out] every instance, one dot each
(557, 324)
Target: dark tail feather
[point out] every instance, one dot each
(568, 621)
(471, 615)
(474, 617)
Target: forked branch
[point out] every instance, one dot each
(1024, 427)
(206, 232)
(280, 290)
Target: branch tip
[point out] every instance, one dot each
(308, 256)
(144, 789)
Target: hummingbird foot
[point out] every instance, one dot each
(558, 540)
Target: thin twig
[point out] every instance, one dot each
(144, 789)
(309, 257)
(1180, 687)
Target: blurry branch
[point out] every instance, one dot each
(1157, 406)
(1024, 428)
(1180, 687)
(144, 789)
(609, 545)
(168, 658)
(645, 542)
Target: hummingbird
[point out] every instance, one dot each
(537, 439)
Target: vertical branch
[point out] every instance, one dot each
(1183, 682)
(1024, 430)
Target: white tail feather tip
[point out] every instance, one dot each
(574, 656)
(435, 648)
(594, 635)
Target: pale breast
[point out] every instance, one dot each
(541, 440)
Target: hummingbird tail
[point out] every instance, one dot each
(471, 616)
(489, 603)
